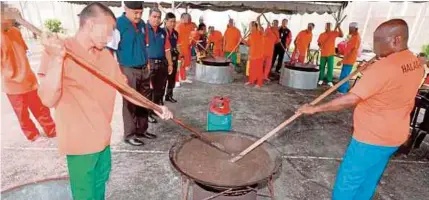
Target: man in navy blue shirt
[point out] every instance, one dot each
(158, 50)
(132, 57)
(173, 36)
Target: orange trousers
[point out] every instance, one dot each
(30, 101)
(256, 71)
(267, 66)
(186, 62)
(218, 52)
(301, 57)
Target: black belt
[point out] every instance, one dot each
(156, 61)
(136, 67)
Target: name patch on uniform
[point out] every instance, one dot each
(410, 67)
(143, 31)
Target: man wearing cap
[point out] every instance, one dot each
(159, 56)
(132, 57)
(285, 38)
(232, 37)
(350, 56)
(302, 43)
(382, 101)
(326, 43)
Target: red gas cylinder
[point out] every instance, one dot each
(342, 47)
(220, 105)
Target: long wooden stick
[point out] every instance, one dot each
(124, 89)
(238, 44)
(245, 36)
(296, 115)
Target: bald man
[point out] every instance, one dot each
(231, 38)
(84, 103)
(383, 102)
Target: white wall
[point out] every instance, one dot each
(368, 14)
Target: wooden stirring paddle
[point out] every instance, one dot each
(296, 115)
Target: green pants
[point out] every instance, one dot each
(89, 174)
(330, 74)
(233, 58)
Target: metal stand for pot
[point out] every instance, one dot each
(186, 185)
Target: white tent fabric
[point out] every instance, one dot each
(284, 7)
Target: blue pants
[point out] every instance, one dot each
(345, 71)
(361, 169)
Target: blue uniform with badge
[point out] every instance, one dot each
(173, 37)
(156, 39)
(133, 58)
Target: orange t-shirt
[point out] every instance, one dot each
(354, 42)
(326, 42)
(387, 90)
(217, 39)
(84, 110)
(303, 40)
(232, 36)
(256, 42)
(184, 31)
(270, 39)
(17, 76)
(276, 32)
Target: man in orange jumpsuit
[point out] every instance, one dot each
(232, 37)
(256, 54)
(302, 43)
(271, 35)
(215, 40)
(184, 43)
(20, 83)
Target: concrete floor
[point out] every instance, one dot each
(312, 148)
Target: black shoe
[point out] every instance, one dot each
(134, 142)
(148, 135)
(278, 71)
(151, 119)
(170, 99)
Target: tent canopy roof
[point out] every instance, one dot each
(283, 7)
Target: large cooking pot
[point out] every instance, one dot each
(212, 168)
(215, 61)
(302, 66)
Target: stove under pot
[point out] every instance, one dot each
(201, 192)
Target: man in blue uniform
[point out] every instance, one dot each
(158, 49)
(132, 58)
(173, 36)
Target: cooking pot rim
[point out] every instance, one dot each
(272, 148)
(216, 63)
